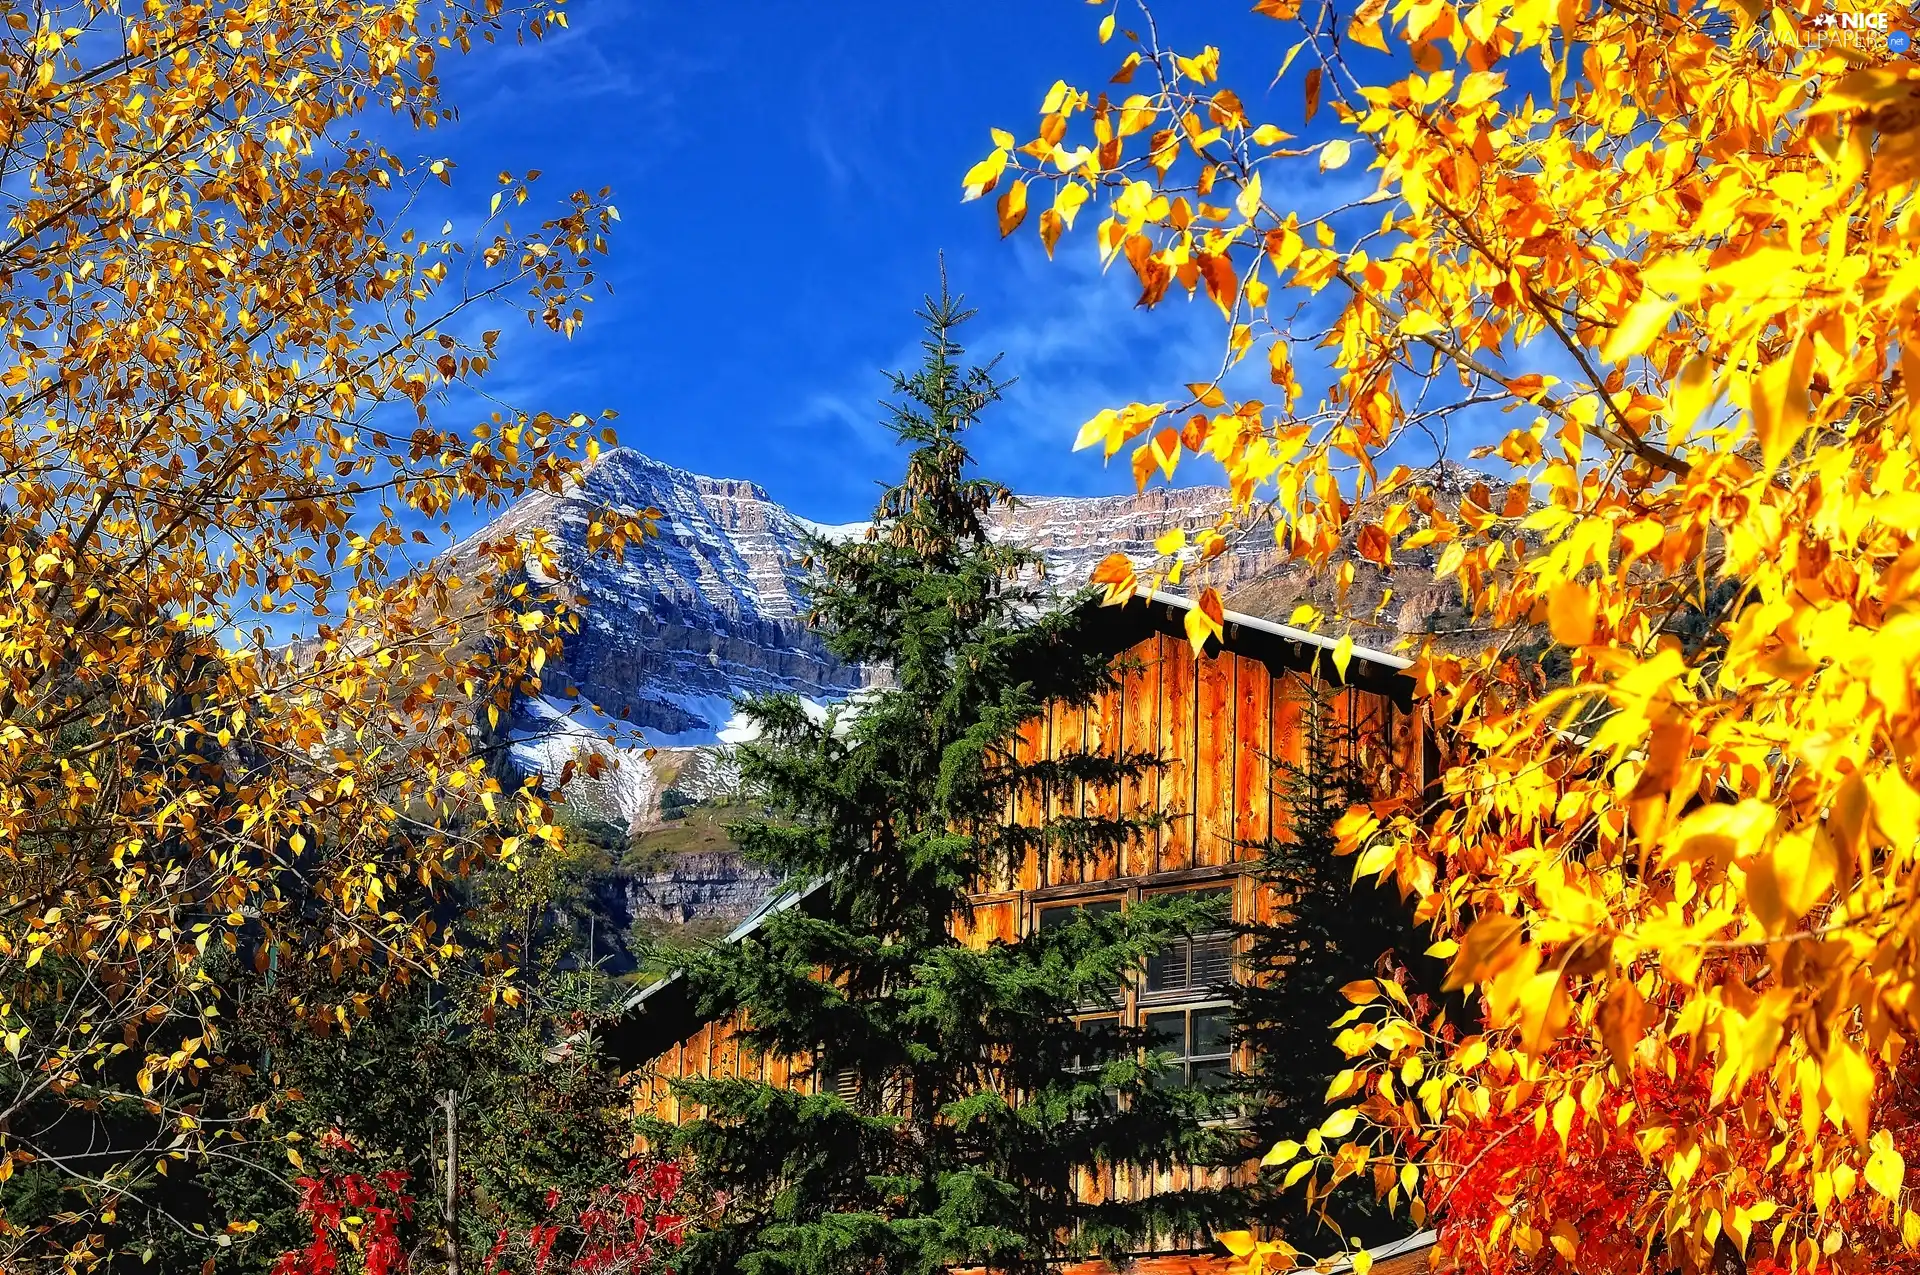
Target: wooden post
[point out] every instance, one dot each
(450, 1212)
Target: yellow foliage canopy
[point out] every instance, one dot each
(1683, 880)
(222, 360)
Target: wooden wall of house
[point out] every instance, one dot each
(1219, 723)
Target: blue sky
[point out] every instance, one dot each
(786, 175)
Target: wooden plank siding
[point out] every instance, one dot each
(1177, 754)
(1140, 735)
(1223, 726)
(1214, 746)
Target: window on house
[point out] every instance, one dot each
(1099, 1035)
(1099, 1045)
(1061, 913)
(1058, 914)
(1196, 965)
(890, 1095)
(1200, 1038)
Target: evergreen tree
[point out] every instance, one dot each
(963, 1105)
(1331, 931)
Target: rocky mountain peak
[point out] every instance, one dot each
(714, 607)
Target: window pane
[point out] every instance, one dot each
(1169, 1031)
(1222, 897)
(1223, 902)
(1168, 970)
(1097, 1047)
(1212, 1032)
(1212, 962)
(1211, 1075)
(1061, 914)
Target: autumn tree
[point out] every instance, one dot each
(237, 688)
(1656, 263)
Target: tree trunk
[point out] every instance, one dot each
(450, 1210)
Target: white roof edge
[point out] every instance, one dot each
(1411, 1244)
(1287, 631)
(780, 902)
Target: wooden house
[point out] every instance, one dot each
(1219, 723)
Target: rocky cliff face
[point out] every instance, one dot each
(713, 608)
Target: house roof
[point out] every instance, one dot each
(1402, 1257)
(662, 1012)
(1253, 623)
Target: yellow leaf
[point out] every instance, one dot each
(1785, 882)
(1886, 1168)
(1281, 1153)
(1780, 405)
(1365, 30)
(1333, 154)
(1106, 28)
(1247, 202)
(1544, 1007)
(1643, 320)
(1170, 542)
(1570, 614)
(1848, 1080)
(1693, 393)
(1420, 323)
(1096, 430)
(1362, 1262)
(1067, 201)
(1238, 1243)
(1343, 654)
(983, 176)
(1721, 831)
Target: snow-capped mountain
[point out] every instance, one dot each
(712, 608)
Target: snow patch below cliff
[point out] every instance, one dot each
(555, 731)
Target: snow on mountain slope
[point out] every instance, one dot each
(713, 608)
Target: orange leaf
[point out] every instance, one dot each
(1570, 614)
(1166, 451)
(1051, 224)
(1489, 947)
(1205, 620)
(1013, 208)
(1623, 1021)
